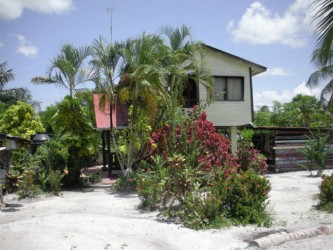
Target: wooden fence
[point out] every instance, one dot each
(282, 146)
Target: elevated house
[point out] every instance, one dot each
(232, 91)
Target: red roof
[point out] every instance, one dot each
(102, 116)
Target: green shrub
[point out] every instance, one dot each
(27, 186)
(151, 182)
(316, 152)
(245, 200)
(54, 180)
(203, 210)
(124, 184)
(150, 191)
(192, 174)
(249, 157)
(326, 194)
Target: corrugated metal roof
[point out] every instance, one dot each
(102, 116)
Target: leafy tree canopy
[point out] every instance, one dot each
(301, 111)
(21, 120)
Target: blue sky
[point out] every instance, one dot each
(275, 34)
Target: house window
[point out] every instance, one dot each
(228, 88)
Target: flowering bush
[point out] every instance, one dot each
(250, 158)
(191, 164)
(198, 141)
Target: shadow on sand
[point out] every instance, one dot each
(10, 208)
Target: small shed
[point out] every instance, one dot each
(12, 142)
(119, 116)
(281, 146)
(7, 143)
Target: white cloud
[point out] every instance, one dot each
(12, 9)
(25, 47)
(276, 72)
(269, 96)
(259, 25)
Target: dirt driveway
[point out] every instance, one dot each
(97, 218)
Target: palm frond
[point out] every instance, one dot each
(42, 80)
(327, 92)
(320, 75)
(324, 28)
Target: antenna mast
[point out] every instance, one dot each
(110, 10)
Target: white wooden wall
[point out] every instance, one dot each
(228, 113)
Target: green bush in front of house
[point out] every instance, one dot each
(191, 175)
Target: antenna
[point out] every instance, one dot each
(111, 12)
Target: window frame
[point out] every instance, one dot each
(225, 95)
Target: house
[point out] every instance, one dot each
(232, 92)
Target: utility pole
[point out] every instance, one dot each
(110, 10)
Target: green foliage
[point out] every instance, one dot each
(21, 159)
(125, 184)
(95, 177)
(47, 118)
(246, 135)
(54, 181)
(245, 198)
(30, 175)
(301, 111)
(21, 120)
(52, 155)
(316, 151)
(27, 183)
(202, 199)
(68, 69)
(76, 137)
(190, 173)
(149, 190)
(152, 183)
(138, 136)
(326, 194)
(248, 157)
(203, 210)
(262, 117)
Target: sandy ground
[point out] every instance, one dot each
(97, 218)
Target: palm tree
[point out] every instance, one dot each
(11, 96)
(187, 60)
(145, 78)
(6, 75)
(177, 38)
(323, 55)
(68, 69)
